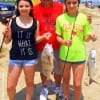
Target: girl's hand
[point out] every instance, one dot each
(68, 42)
(47, 35)
(93, 37)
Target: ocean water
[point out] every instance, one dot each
(94, 2)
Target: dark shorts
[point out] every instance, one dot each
(57, 68)
(77, 62)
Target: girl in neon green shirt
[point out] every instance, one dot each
(73, 30)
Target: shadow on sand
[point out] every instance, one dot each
(37, 89)
(72, 94)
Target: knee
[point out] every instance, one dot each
(66, 79)
(29, 84)
(77, 85)
(10, 87)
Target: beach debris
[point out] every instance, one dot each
(47, 59)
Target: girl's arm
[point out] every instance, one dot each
(7, 33)
(91, 37)
(60, 40)
(42, 37)
(64, 42)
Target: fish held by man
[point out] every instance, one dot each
(47, 59)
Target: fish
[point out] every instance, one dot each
(47, 60)
(91, 64)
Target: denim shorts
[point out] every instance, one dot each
(21, 63)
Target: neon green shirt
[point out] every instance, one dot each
(64, 25)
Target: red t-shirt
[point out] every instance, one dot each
(47, 20)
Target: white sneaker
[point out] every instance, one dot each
(59, 92)
(57, 89)
(44, 94)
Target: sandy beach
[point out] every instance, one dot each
(89, 92)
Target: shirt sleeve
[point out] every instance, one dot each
(58, 27)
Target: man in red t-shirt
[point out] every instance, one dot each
(46, 13)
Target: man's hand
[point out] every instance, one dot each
(93, 37)
(89, 18)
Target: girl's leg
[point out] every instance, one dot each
(78, 70)
(66, 78)
(29, 72)
(12, 79)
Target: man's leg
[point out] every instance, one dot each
(44, 91)
(57, 75)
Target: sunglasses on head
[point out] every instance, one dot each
(69, 3)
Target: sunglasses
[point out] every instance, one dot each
(69, 3)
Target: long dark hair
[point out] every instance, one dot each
(66, 0)
(65, 3)
(17, 11)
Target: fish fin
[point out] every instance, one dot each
(93, 81)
